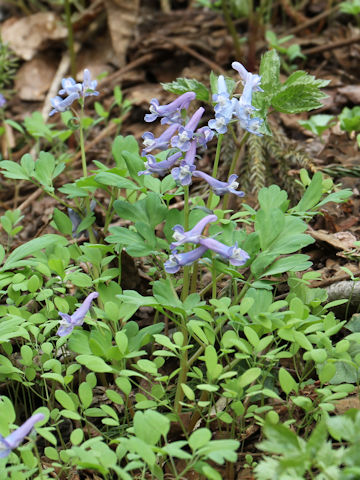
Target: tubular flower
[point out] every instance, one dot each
(222, 98)
(193, 235)
(2, 100)
(17, 436)
(68, 322)
(219, 123)
(62, 104)
(178, 260)
(234, 254)
(161, 143)
(221, 188)
(171, 111)
(252, 80)
(186, 134)
(69, 86)
(183, 174)
(88, 86)
(203, 136)
(251, 124)
(161, 168)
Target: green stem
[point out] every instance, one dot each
(186, 281)
(215, 167)
(233, 166)
(70, 38)
(184, 368)
(232, 30)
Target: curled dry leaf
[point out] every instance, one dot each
(34, 78)
(28, 35)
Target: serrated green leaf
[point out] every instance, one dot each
(183, 85)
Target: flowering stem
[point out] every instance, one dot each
(184, 368)
(231, 28)
(186, 281)
(82, 142)
(70, 35)
(216, 166)
(233, 166)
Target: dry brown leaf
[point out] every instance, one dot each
(122, 17)
(34, 78)
(28, 35)
(340, 240)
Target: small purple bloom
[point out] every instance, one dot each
(171, 111)
(62, 104)
(221, 188)
(203, 136)
(186, 134)
(68, 322)
(161, 168)
(2, 100)
(17, 436)
(69, 86)
(193, 235)
(88, 87)
(178, 260)
(235, 255)
(182, 175)
(223, 105)
(161, 143)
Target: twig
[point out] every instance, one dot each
(313, 20)
(332, 46)
(214, 66)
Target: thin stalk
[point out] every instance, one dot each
(215, 167)
(184, 368)
(70, 38)
(232, 30)
(233, 166)
(186, 281)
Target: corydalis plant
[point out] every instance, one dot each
(74, 91)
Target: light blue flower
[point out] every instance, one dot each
(68, 322)
(171, 112)
(186, 134)
(88, 86)
(234, 254)
(13, 440)
(243, 115)
(162, 142)
(218, 187)
(193, 235)
(62, 104)
(219, 123)
(70, 86)
(252, 80)
(161, 168)
(178, 260)
(2, 100)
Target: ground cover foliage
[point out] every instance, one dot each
(166, 324)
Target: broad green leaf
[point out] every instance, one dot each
(31, 247)
(93, 363)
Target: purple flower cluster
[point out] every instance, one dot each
(226, 109)
(13, 440)
(185, 139)
(74, 91)
(235, 255)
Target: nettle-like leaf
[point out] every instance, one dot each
(183, 85)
